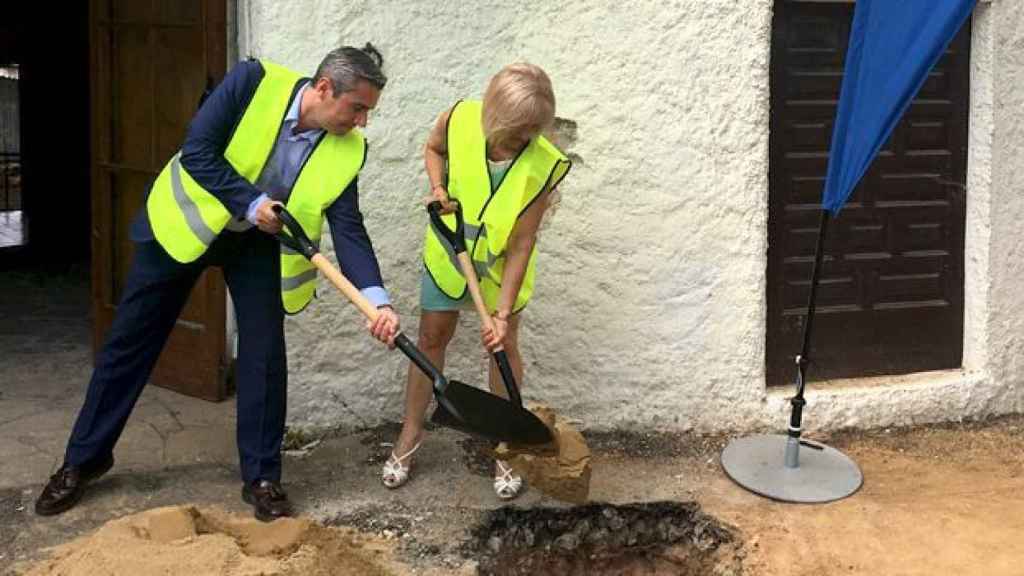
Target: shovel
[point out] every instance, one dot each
(458, 242)
(459, 406)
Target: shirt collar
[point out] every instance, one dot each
(292, 118)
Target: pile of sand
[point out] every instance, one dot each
(183, 540)
(561, 468)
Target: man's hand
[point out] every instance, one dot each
(494, 339)
(266, 219)
(386, 327)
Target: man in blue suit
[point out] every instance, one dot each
(264, 136)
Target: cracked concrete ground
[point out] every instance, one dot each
(45, 359)
(961, 485)
(178, 450)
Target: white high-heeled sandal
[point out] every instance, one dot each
(394, 473)
(506, 484)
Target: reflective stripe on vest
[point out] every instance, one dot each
(471, 234)
(331, 167)
(489, 218)
(186, 219)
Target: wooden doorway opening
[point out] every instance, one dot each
(150, 62)
(891, 298)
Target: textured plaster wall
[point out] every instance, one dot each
(1006, 321)
(650, 307)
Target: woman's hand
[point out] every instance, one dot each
(495, 339)
(435, 157)
(440, 194)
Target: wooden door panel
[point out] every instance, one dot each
(127, 188)
(128, 10)
(150, 63)
(182, 12)
(891, 294)
(179, 84)
(131, 123)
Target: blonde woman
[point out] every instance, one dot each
(492, 158)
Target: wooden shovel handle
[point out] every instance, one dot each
(474, 290)
(457, 239)
(500, 357)
(344, 286)
(401, 341)
(298, 241)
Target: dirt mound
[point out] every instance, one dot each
(184, 540)
(561, 468)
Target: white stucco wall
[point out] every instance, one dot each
(650, 305)
(1006, 334)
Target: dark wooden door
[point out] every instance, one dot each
(891, 297)
(150, 62)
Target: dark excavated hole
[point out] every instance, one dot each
(647, 538)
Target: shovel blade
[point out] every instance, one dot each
(483, 414)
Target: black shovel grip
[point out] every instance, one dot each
(413, 353)
(296, 237)
(457, 237)
(508, 377)
(440, 383)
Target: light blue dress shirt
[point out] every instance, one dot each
(281, 170)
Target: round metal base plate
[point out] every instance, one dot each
(757, 463)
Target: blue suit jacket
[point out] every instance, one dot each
(202, 154)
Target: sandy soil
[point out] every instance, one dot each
(936, 501)
(188, 541)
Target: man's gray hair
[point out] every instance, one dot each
(344, 67)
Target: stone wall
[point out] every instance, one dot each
(650, 308)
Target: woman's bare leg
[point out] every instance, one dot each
(436, 331)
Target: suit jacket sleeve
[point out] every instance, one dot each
(209, 133)
(351, 242)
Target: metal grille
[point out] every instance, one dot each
(10, 181)
(10, 141)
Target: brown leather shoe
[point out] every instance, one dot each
(268, 499)
(67, 485)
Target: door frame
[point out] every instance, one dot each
(195, 358)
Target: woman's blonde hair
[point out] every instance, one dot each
(519, 100)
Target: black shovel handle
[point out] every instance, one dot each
(456, 237)
(458, 241)
(447, 393)
(421, 361)
(296, 239)
(508, 377)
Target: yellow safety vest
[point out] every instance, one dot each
(489, 217)
(186, 218)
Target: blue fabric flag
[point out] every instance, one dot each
(893, 46)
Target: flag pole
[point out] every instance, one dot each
(771, 464)
(774, 465)
(803, 358)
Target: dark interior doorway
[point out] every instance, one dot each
(11, 231)
(47, 199)
(105, 91)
